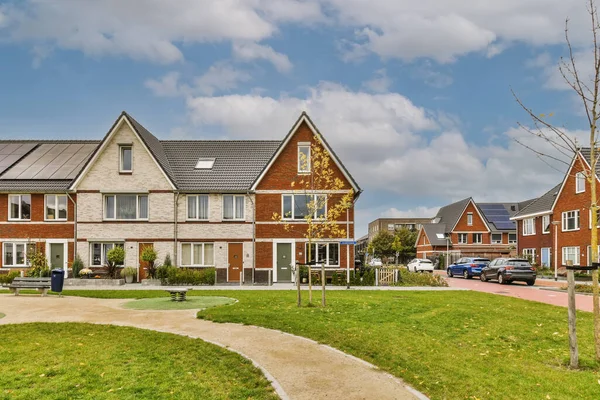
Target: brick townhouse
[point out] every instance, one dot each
(558, 223)
(206, 203)
(467, 228)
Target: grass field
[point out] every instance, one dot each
(165, 303)
(84, 361)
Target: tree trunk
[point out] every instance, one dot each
(572, 321)
(299, 297)
(309, 285)
(323, 303)
(594, 234)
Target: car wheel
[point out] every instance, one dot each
(482, 277)
(501, 279)
(466, 274)
(450, 274)
(530, 283)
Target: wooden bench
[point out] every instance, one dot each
(177, 294)
(41, 284)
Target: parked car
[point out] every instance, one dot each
(420, 265)
(467, 267)
(507, 270)
(375, 262)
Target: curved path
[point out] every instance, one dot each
(298, 368)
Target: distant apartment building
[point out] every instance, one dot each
(393, 224)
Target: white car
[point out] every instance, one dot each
(420, 265)
(375, 262)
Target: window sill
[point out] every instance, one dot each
(529, 234)
(125, 172)
(55, 220)
(570, 230)
(196, 266)
(125, 220)
(546, 233)
(15, 266)
(19, 220)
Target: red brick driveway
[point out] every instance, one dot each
(522, 291)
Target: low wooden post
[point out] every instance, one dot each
(299, 299)
(572, 320)
(323, 302)
(309, 284)
(376, 276)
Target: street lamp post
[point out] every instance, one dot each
(555, 223)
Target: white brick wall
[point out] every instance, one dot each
(131, 230)
(214, 231)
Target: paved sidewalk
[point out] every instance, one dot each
(299, 368)
(276, 286)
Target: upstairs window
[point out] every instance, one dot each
(570, 220)
(496, 238)
(304, 158)
(580, 182)
(470, 219)
(546, 224)
(197, 207)
(20, 207)
(233, 207)
(299, 206)
(56, 207)
(529, 226)
(126, 158)
(512, 238)
(126, 206)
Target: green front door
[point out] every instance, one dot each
(57, 255)
(284, 262)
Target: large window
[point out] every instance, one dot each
(19, 207)
(570, 220)
(580, 182)
(233, 207)
(496, 238)
(15, 254)
(126, 206)
(328, 253)
(570, 254)
(304, 158)
(56, 207)
(299, 206)
(197, 206)
(529, 226)
(512, 238)
(462, 238)
(197, 254)
(477, 238)
(99, 253)
(546, 224)
(125, 158)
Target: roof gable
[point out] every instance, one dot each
(542, 205)
(471, 205)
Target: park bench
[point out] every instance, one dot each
(41, 284)
(177, 294)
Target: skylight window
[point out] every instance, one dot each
(205, 163)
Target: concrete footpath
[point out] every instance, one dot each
(298, 368)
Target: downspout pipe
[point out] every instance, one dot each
(175, 227)
(253, 236)
(74, 230)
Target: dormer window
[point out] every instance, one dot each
(125, 158)
(304, 158)
(205, 163)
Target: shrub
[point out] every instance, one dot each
(39, 265)
(6, 279)
(149, 255)
(77, 266)
(407, 278)
(128, 271)
(170, 275)
(441, 264)
(114, 258)
(167, 261)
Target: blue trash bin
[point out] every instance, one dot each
(57, 280)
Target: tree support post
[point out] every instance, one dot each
(323, 303)
(572, 320)
(299, 299)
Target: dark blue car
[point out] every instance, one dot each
(467, 267)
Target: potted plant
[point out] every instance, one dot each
(86, 273)
(114, 258)
(128, 273)
(149, 256)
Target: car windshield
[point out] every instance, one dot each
(519, 263)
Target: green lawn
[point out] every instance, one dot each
(84, 361)
(165, 303)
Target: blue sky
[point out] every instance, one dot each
(415, 98)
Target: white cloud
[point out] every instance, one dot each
(436, 79)
(390, 144)
(253, 51)
(220, 77)
(380, 82)
(417, 212)
(167, 86)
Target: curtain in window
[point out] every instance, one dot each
(143, 207)
(203, 207)
(334, 254)
(126, 206)
(209, 254)
(8, 254)
(198, 254)
(50, 206)
(106, 247)
(110, 206)
(239, 207)
(14, 206)
(228, 207)
(96, 254)
(192, 207)
(186, 254)
(62, 207)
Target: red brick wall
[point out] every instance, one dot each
(478, 224)
(37, 207)
(537, 241)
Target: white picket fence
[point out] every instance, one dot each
(386, 276)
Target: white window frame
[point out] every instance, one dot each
(121, 148)
(20, 196)
(293, 202)
(512, 241)
(192, 249)
(478, 236)
(529, 232)
(529, 253)
(235, 218)
(570, 248)
(327, 244)
(566, 217)
(495, 241)
(470, 219)
(14, 244)
(300, 170)
(580, 182)
(545, 223)
(56, 196)
(463, 235)
(137, 207)
(102, 252)
(187, 210)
